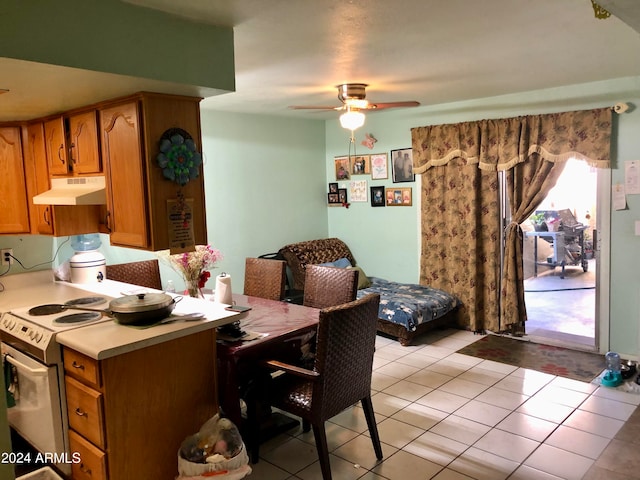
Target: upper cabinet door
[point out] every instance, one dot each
(36, 157)
(84, 151)
(122, 153)
(14, 211)
(56, 147)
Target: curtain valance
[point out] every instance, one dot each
(500, 144)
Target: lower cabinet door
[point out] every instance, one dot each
(92, 463)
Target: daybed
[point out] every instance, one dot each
(406, 310)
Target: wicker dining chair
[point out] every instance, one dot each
(145, 273)
(264, 278)
(340, 378)
(329, 286)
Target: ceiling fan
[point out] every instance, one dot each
(353, 98)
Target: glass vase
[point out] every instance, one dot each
(193, 289)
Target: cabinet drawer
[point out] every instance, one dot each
(85, 410)
(93, 461)
(82, 367)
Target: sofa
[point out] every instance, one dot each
(406, 310)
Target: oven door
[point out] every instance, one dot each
(37, 414)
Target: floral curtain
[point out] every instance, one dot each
(460, 239)
(460, 210)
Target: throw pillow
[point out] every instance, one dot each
(363, 280)
(340, 263)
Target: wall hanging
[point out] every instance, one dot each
(178, 157)
(402, 165)
(399, 197)
(379, 169)
(180, 163)
(377, 196)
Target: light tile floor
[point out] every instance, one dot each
(446, 416)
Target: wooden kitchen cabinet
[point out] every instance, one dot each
(59, 220)
(14, 211)
(126, 191)
(72, 146)
(139, 197)
(56, 147)
(128, 414)
(84, 149)
(36, 164)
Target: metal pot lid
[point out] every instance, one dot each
(142, 302)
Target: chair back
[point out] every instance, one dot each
(145, 273)
(344, 355)
(329, 286)
(264, 278)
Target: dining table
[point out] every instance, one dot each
(271, 329)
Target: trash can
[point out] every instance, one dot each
(45, 473)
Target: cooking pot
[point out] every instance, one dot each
(139, 309)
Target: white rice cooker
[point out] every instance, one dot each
(87, 265)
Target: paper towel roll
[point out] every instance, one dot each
(223, 293)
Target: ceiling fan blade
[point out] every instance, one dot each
(380, 106)
(311, 107)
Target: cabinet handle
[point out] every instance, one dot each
(80, 412)
(46, 216)
(74, 364)
(107, 217)
(85, 470)
(60, 150)
(73, 146)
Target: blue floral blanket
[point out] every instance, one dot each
(410, 304)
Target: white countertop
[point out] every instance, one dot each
(108, 339)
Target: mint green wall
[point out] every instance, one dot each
(116, 37)
(264, 182)
(385, 240)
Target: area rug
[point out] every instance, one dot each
(574, 364)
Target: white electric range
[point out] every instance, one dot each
(32, 359)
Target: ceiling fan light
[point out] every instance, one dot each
(352, 120)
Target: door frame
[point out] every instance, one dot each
(601, 251)
(602, 254)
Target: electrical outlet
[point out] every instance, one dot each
(6, 256)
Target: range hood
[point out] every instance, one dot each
(74, 191)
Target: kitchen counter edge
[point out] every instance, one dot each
(109, 339)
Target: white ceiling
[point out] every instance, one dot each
(294, 52)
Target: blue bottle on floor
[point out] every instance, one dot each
(613, 376)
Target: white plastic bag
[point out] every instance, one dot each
(216, 450)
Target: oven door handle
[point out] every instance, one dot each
(40, 372)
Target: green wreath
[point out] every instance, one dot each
(178, 157)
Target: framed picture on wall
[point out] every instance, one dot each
(360, 165)
(399, 197)
(377, 196)
(379, 169)
(342, 195)
(402, 165)
(333, 188)
(333, 198)
(342, 167)
(358, 190)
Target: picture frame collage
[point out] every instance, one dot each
(379, 166)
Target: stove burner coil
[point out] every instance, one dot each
(53, 308)
(75, 318)
(86, 301)
(49, 309)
